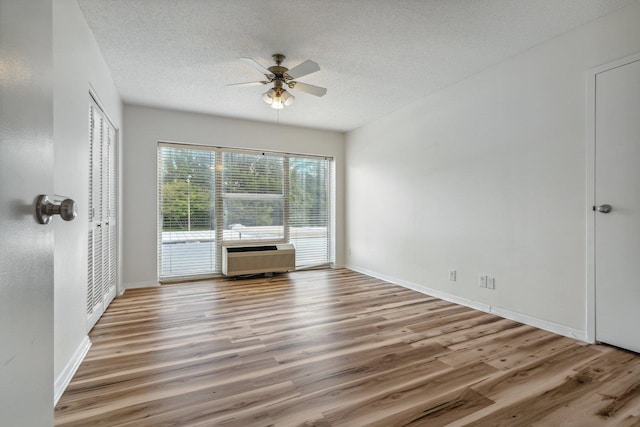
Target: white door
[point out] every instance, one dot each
(102, 256)
(617, 183)
(26, 247)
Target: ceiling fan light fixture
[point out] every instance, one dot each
(278, 98)
(268, 96)
(278, 102)
(287, 98)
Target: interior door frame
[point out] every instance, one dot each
(591, 187)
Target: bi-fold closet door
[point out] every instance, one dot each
(102, 237)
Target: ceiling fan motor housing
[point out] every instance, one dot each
(279, 71)
(278, 58)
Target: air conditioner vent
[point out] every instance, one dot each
(242, 260)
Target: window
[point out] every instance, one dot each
(253, 196)
(209, 197)
(187, 220)
(309, 209)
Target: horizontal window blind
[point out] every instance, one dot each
(212, 196)
(187, 221)
(253, 197)
(309, 210)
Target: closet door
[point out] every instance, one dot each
(102, 244)
(617, 207)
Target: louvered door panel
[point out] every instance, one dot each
(90, 284)
(113, 226)
(102, 251)
(95, 191)
(108, 227)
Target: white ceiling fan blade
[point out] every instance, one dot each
(307, 67)
(310, 89)
(258, 67)
(249, 83)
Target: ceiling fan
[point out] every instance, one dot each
(280, 76)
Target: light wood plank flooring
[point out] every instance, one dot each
(336, 348)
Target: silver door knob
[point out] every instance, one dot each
(45, 209)
(603, 208)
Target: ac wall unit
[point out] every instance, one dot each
(243, 260)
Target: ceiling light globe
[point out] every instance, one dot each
(268, 96)
(288, 98)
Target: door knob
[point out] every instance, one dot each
(45, 209)
(602, 208)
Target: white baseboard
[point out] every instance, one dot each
(499, 311)
(70, 369)
(541, 324)
(136, 285)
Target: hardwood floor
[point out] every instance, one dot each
(336, 348)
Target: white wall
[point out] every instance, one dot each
(488, 177)
(77, 66)
(146, 126)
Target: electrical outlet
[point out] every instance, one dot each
(452, 275)
(491, 282)
(483, 281)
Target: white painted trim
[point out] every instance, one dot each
(70, 369)
(540, 323)
(590, 321)
(590, 300)
(487, 308)
(93, 318)
(136, 285)
(424, 290)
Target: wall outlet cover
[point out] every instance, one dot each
(483, 281)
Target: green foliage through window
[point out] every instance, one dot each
(255, 204)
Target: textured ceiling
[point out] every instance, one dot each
(375, 55)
